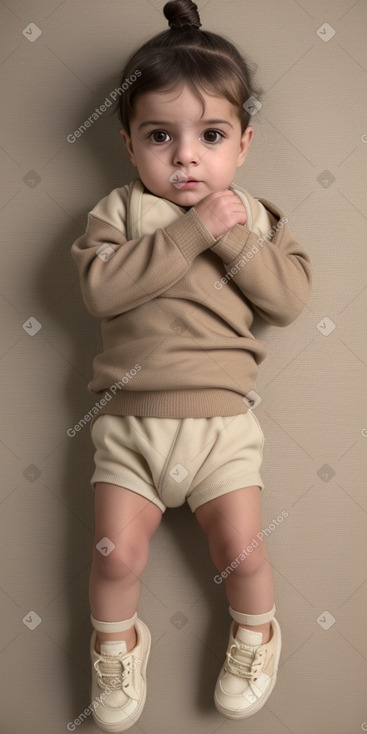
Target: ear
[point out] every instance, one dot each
(244, 145)
(127, 140)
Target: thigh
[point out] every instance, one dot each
(121, 511)
(235, 515)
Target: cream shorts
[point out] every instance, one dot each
(170, 460)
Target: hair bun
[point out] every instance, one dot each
(182, 14)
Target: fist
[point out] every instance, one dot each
(221, 211)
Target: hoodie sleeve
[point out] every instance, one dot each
(272, 271)
(117, 275)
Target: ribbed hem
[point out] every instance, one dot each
(196, 403)
(100, 475)
(225, 487)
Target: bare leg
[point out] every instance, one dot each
(129, 521)
(231, 523)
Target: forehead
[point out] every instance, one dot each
(168, 105)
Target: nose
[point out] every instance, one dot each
(186, 153)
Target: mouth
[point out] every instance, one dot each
(181, 181)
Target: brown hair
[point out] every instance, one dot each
(187, 55)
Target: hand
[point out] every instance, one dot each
(221, 211)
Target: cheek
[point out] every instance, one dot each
(223, 161)
(156, 163)
(148, 157)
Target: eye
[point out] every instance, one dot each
(157, 132)
(211, 133)
(157, 136)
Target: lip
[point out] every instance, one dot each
(186, 183)
(191, 184)
(180, 180)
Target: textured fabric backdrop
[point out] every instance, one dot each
(59, 62)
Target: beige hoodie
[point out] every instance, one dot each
(177, 305)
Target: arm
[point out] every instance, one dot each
(276, 275)
(136, 271)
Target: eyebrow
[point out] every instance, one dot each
(204, 122)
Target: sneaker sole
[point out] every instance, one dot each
(244, 714)
(131, 720)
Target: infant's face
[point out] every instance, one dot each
(176, 139)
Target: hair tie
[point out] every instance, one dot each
(184, 26)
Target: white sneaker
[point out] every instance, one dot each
(119, 685)
(249, 673)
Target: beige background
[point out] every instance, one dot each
(313, 384)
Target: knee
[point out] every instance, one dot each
(255, 558)
(240, 560)
(127, 560)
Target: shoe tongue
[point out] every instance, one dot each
(248, 637)
(113, 647)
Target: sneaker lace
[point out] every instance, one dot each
(244, 662)
(114, 671)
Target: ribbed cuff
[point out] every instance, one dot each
(252, 619)
(122, 626)
(191, 239)
(233, 243)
